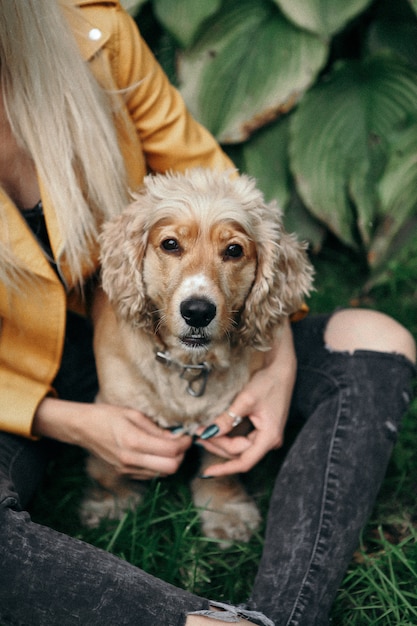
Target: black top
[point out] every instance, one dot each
(35, 219)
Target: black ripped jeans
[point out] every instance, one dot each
(350, 407)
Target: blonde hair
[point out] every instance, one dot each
(65, 121)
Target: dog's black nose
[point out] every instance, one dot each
(198, 312)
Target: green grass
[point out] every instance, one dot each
(163, 535)
(382, 589)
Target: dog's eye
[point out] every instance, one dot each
(234, 251)
(170, 245)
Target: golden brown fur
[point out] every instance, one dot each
(199, 268)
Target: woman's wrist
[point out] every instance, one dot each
(58, 419)
(281, 359)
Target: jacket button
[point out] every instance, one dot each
(95, 34)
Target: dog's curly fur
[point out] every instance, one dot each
(199, 267)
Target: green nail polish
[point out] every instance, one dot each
(176, 430)
(210, 432)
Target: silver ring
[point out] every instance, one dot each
(236, 418)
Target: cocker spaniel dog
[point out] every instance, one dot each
(199, 274)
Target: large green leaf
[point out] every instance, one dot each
(394, 29)
(265, 157)
(339, 141)
(324, 17)
(300, 221)
(183, 18)
(397, 261)
(413, 4)
(398, 196)
(249, 66)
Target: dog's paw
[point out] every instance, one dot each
(99, 504)
(227, 512)
(236, 521)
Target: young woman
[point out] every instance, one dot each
(85, 111)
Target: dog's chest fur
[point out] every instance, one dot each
(161, 391)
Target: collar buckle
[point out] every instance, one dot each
(199, 373)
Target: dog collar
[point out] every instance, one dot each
(195, 375)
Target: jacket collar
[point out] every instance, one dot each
(14, 232)
(90, 35)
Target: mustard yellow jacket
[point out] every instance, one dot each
(162, 136)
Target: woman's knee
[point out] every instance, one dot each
(362, 329)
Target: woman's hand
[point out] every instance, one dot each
(265, 400)
(123, 437)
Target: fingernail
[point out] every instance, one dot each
(204, 477)
(210, 432)
(177, 430)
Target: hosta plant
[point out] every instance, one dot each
(315, 98)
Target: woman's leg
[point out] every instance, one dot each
(322, 498)
(351, 394)
(48, 578)
(359, 329)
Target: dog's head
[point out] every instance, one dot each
(200, 258)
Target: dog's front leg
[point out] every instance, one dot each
(108, 496)
(227, 511)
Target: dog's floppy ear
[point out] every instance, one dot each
(283, 278)
(123, 243)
